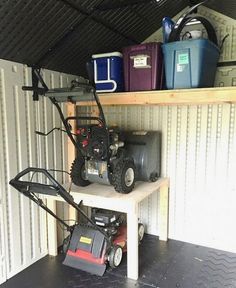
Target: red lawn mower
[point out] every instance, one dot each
(91, 246)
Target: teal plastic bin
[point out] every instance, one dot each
(190, 63)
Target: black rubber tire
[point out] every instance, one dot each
(118, 178)
(140, 229)
(153, 177)
(112, 254)
(77, 171)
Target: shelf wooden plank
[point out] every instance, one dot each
(169, 97)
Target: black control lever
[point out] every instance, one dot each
(49, 132)
(36, 79)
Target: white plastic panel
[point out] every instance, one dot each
(25, 238)
(199, 157)
(2, 222)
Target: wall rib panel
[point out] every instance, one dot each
(199, 156)
(3, 245)
(24, 225)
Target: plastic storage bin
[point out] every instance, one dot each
(143, 67)
(108, 72)
(190, 63)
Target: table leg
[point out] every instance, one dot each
(163, 212)
(132, 244)
(52, 229)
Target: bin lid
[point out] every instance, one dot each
(111, 54)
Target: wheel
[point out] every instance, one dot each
(140, 232)
(123, 178)
(77, 172)
(66, 243)
(115, 256)
(153, 177)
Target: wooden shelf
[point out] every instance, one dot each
(169, 97)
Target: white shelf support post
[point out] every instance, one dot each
(163, 212)
(132, 243)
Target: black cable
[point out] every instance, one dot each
(223, 41)
(67, 220)
(49, 132)
(58, 170)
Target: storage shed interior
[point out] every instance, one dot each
(198, 143)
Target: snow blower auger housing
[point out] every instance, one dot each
(91, 246)
(101, 154)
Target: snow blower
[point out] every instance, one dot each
(103, 154)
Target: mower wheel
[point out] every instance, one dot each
(140, 232)
(77, 172)
(115, 256)
(124, 176)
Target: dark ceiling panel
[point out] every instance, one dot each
(144, 19)
(63, 34)
(227, 7)
(91, 38)
(30, 28)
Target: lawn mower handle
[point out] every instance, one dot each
(34, 169)
(27, 188)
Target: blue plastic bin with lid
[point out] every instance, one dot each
(190, 63)
(108, 72)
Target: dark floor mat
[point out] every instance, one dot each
(155, 258)
(219, 270)
(162, 265)
(200, 267)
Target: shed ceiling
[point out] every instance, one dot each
(63, 34)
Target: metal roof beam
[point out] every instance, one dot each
(58, 43)
(98, 19)
(87, 15)
(120, 4)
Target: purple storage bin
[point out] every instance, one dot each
(143, 68)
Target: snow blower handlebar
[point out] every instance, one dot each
(29, 188)
(37, 79)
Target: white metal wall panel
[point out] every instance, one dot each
(199, 157)
(25, 237)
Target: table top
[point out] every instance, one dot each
(104, 196)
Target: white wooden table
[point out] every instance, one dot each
(102, 196)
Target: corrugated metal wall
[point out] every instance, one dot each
(199, 157)
(23, 238)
